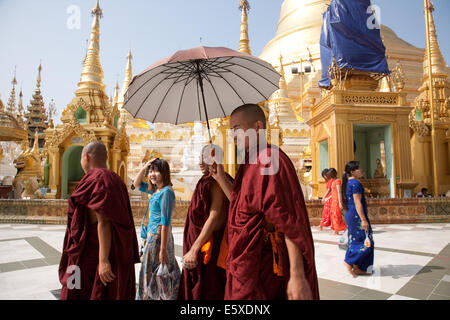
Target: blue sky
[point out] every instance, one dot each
(31, 31)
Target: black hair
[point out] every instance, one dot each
(424, 190)
(332, 173)
(349, 167)
(163, 167)
(324, 173)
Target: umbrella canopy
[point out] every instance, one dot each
(199, 84)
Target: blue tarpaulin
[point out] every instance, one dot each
(349, 36)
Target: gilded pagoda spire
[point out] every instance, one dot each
(20, 105)
(244, 43)
(282, 82)
(127, 80)
(116, 94)
(281, 100)
(11, 106)
(92, 72)
(438, 64)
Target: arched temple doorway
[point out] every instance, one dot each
(72, 172)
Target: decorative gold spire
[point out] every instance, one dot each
(38, 86)
(11, 106)
(116, 93)
(282, 82)
(438, 64)
(92, 72)
(127, 80)
(281, 99)
(20, 105)
(35, 142)
(244, 43)
(51, 113)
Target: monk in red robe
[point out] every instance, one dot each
(271, 250)
(100, 245)
(202, 278)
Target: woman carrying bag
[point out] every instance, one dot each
(360, 253)
(159, 276)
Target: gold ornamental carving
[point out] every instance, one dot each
(60, 135)
(370, 99)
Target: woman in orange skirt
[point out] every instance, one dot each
(337, 223)
(326, 200)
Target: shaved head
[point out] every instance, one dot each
(97, 151)
(252, 113)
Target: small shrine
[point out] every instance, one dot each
(89, 116)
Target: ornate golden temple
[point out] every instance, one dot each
(395, 126)
(89, 116)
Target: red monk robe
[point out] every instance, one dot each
(103, 191)
(261, 204)
(206, 281)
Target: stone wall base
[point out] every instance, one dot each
(381, 211)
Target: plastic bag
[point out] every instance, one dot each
(163, 284)
(367, 242)
(344, 239)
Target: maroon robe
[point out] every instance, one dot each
(206, 281)
(103, 191)
(255, 199)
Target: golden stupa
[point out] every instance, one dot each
(298, 38)
(89, 116)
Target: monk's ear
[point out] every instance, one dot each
(259, 125)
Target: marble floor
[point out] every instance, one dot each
(411, 262)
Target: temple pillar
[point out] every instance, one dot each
(55, 169)
(115, 153)
(405, 183)
(343, 145)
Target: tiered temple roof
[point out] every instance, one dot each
(36, 117)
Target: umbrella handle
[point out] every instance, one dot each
(200, 81)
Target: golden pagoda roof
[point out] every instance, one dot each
(10, 129)
(300, 26)
(92, 72)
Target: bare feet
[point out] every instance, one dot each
(349, 269)
(359, 272)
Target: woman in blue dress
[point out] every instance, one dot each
(158, 239)
(360, 253)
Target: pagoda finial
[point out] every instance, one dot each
(92, 72)
(116, 92)
(127, 79)
(51, 113)
(20, 105)
(11, 106)
(244, 43)
(97, 11)
(39, 76)
(282, 83)
(438, 64)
